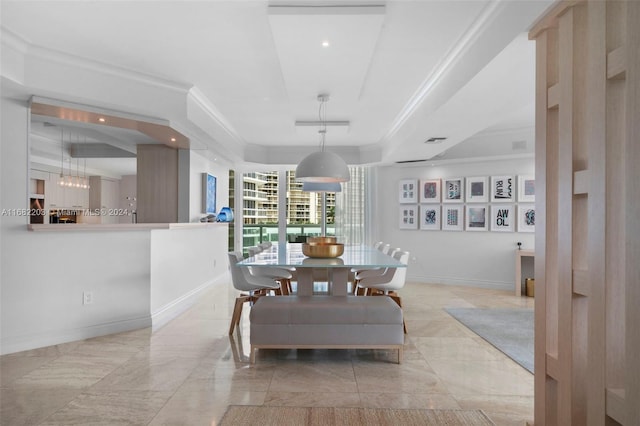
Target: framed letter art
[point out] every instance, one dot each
(408, 217)
(430, 217)
(502, 189)
(477, 190)
(453, 190)
(430, 191)
(526, 189)
(526, 217)
(452, 218)
(477, 218)
(503, 218)
(409, 191)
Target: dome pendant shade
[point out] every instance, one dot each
(321, 187)
(323, 166)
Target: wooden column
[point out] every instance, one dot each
(157, 183)
(587, 313)
(632, 234)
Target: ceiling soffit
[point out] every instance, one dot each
(84, 115)
(339, 69)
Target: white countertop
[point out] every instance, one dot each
(73, 227)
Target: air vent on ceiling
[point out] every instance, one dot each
(410, 161)
(435, 140)
(518, 145)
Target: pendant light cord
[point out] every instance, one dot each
(322, 117)
(61, 152)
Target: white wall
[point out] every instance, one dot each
(43, 274)
(183, 263)
(483, 259)
(200, 165)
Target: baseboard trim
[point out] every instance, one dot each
(171, 310)
(494, 285)
(41, 340)
(155, 320)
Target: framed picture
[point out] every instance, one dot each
(502, 189)
(208, 193)
(526, 217)
(430, 191)
(526, 189)
(477, 217)
(409, 217)
(452, 218)
(409, 191)
(477, 190)
(503, 218)
(453, 191)
(430, 217)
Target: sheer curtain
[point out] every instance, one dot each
(353, 207)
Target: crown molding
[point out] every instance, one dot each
(453, 55)
(18, 43)
(105, 68)
(189, 91)
(13, 40)
(212, 112)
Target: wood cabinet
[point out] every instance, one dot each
(60, 197)
(104, 196)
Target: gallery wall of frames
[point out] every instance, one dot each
(474, 203)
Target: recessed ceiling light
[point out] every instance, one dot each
(101, 119)
(325, 43)
(173, 139)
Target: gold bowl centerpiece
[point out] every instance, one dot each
(322, 249)
(322, 240)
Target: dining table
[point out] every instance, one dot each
(290, 255)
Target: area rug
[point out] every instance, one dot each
(249, 415)
(509, 330)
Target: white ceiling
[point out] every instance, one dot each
(398, 71)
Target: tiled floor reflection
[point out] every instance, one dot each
(188, 372)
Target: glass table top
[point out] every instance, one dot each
(290, 254)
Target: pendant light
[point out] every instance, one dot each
(321, 187)
(323, 166)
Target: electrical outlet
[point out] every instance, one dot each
(87, 298)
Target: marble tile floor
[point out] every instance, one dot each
(189, 371)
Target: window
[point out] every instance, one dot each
(345, 210)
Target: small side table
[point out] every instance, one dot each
(519, 255)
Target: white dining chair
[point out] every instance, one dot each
(244, 281)
(379, 245)
(265, 245)
(387, 283)
(384, 249)
(367, 273)
(282, 275)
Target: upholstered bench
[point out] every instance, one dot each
(326, 322)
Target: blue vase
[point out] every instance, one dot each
(225, 215)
